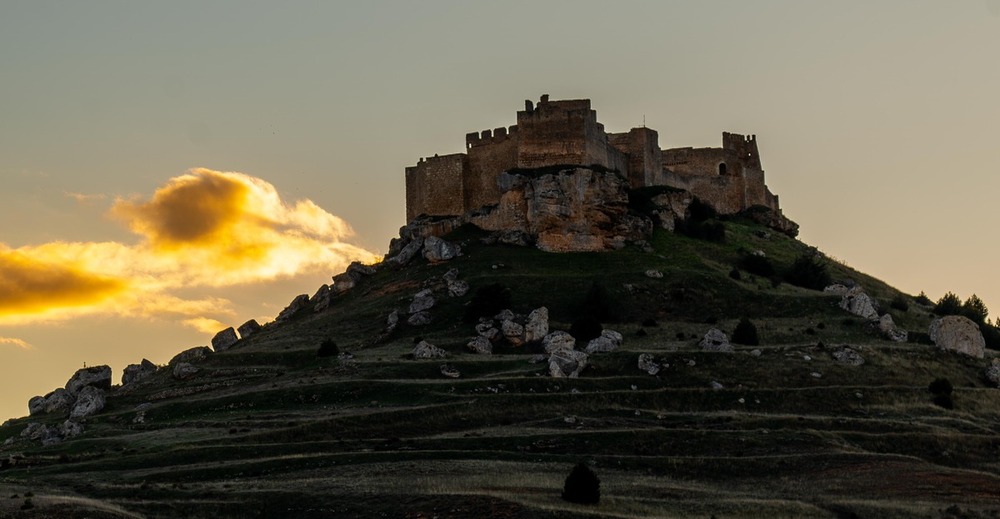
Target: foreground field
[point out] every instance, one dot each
(269, 429)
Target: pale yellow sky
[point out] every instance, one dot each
(876, 122)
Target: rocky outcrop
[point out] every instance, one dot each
(836, 289)
(320, 300)
(90, 401)
(609, 340)
(558, 340)
(135, 372)
(97, 376)
(426, 350)
(565, 363)
(423, 301)
(715, 340)
(195, 354)
(225, 339)
(857, 302)
(888, 329)
(184, 371)
(59, 401)
(537, 326)
(406, 252)
(437, 250)
(350, 278)
(249, 328)
(576, 209)
(959, 334)
(301, 301)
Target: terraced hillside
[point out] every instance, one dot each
(783, 429)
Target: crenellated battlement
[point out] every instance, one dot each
(566, 132)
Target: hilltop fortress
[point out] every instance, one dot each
(565, 135)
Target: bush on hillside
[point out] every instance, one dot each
(327, 348)
(597, 304)
(757, 265)
(899, 303)
(974, 308)
(488, 301)
(582, 486)
(941, 389)
(949, 304)
(809, 271)
(585, 328)
(746, 333)
(923, 300)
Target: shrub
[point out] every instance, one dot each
(328, 348)
(735, 274)
(991, 334)
(650, 323)
(923, 300)
(809, 271)
(596, 303)
(582, 486)
(899, 303)
(487, 302)
(949, 304)
(975, 309)
(586, 328)
(28, 505)
(944, 401)
(940, 386)
(758, 265)
(746, 333)
(641, 332)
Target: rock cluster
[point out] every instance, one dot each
(134, 373)
(859, 303)
(609, 340)
(83, 396)
(515, 329)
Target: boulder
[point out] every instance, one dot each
(36, 405)
(342, 283)
(184, 371)
(437, 249)
(513, 332)
(715, 340)
(407, 253)
(350, 278)
(564, 363)
(392, 321)
(419, 319)
(481, 345)
(249, 328)
(135, 372)
(90, 401)
(59, 401)
(959, 334)
(423, 301)
(488, 330)
(451, 276)
(320, 301)
(609, 340)
(836, 289)
(426, 350)
(191, 355)
(654, 274)
(458, 288)
(97, 376)
(224, 339)
(504, 315)
(648, 364)
(537, 326)
(449, 371)
(301, 301)
(848, 356)
(888, 329)
(40, 432)
(558, 340)
(857, 302)
(993, 373)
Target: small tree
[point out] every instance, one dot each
(582, 486)
(975, 309)
(809, 271)
(328, 348)
(949, 304)
(941, 389)
(746, 333)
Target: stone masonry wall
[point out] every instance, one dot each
(490, 154)
(434, 187)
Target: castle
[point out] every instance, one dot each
(556, 133)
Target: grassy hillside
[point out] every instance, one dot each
(269, 429)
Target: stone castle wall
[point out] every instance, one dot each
(567, 132)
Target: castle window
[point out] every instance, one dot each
(722, 168)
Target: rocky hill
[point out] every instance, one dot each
(701, 366)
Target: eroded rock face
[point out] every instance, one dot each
(97, 376)
(857, 302)
(426, 350)
(576, 209)
(564, 363)
(406, 253)
(301, 301)
(715, 340)
(224, 339)
(90, 401)
(135, 372)
(59, 401)
(959, 334)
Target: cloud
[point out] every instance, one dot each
(15, 342)
(83, 198)
(204, 324)
(201, 230)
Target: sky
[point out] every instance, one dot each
(169, 169)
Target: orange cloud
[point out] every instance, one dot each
(202, 229)
(15, 342)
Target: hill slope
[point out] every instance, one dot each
(271, 429)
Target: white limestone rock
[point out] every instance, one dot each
(90, 401)
(959, 334)
(857, 302)
(564, 363)
(225, 339)
(558, 340)
(715, 340)
(426, 350)
(537, 326)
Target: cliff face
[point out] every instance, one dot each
(567, 211)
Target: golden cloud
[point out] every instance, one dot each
(202, 229)
(15, 342)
